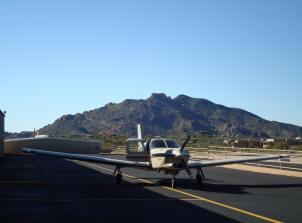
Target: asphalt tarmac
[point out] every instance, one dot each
(44, 189)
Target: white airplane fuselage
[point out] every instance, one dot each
(161, 154)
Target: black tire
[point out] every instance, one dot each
(119, 177)
(198, 179)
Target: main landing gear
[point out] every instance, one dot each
(118, 174)
(199, 177)
(173, 182)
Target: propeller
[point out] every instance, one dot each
(185, 142)
(186, 168)
(182, 160)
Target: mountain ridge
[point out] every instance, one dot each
(160, 114)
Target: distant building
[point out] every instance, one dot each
(270, 140)
(263, 143)
(2, 115)
(241, 143)
(247, 143)
(290, 141)
(293, 141)
(255, 144)
(225, 141)
(228, 141)
(268, 143)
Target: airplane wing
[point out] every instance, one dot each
(232, 161)
(87, 158)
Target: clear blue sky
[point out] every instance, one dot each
(64, 57)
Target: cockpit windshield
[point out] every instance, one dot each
(171, 143)
(163, 143)
(157, 143)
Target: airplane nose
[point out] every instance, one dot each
(176, 153)
(180, 154)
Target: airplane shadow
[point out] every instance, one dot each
(216, 186)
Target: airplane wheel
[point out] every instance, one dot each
(119, 177)
(173, 183)
(198, 179)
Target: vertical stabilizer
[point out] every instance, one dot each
(139, 131)
(139, 136)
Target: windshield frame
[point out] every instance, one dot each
(167, 141)
(165, 145)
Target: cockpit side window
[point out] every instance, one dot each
(171, 143)
(157, 143)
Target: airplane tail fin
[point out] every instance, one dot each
(139, 136)
(139, 131)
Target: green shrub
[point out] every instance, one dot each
(281, 146)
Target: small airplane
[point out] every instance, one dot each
(157, 154)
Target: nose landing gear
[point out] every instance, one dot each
(173, 180)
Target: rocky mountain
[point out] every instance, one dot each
(160, 114)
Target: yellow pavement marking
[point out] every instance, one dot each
(22, 182)
(195, 196)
